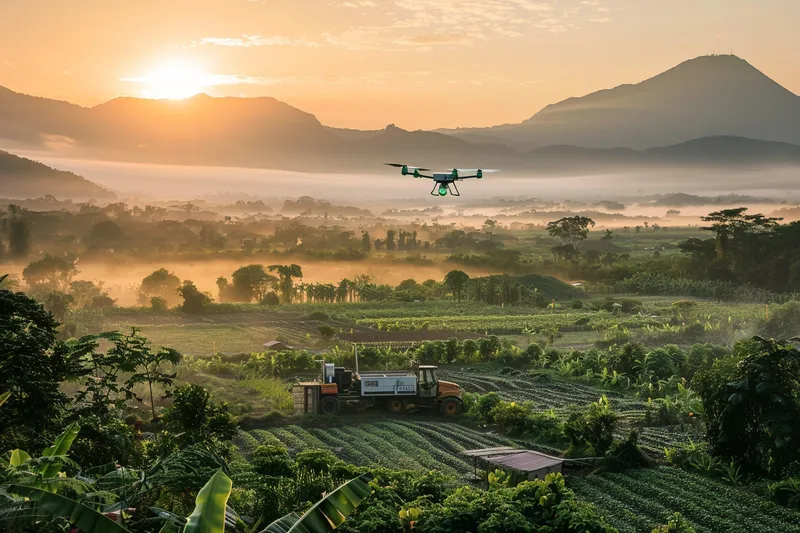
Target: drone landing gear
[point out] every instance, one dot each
(442, 188)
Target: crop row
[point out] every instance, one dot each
(544, 394)
(509, 325)
(393, 444)
(639, 500)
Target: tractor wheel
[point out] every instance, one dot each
(450, 407)
(329, 405)
(396, 405)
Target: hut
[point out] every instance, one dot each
(276, 346)
(534, 465)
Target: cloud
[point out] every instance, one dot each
(247, 41)
(432, 38)
(8, 63)
(601, 20)
(430, 23)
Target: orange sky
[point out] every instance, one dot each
(367, 63)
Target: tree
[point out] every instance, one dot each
(161, 283)
(106, 234)
(391, 245)
(456, 282)
(366, 242)
(196, 417)
(19, 235)
(608, 236)
(752, 406)
(147, 364)
(570, 230)
(50, 273)
(32, 366)
(194, 301)
(251, 282)
(287, 274)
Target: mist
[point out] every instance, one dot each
(386, 185)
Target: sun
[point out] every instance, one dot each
(173, 80)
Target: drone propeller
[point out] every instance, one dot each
(400, 165)
(473, 169)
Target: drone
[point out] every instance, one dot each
(444, 181)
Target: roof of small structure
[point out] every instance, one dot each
(520, 460)
(270, 344)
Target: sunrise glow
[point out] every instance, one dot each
(173, 80)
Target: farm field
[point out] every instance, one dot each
(639, 500)
(394, 443)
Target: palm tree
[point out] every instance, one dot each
(287, 274)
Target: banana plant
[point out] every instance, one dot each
(328, 513)
(4, 397)
(211, 512)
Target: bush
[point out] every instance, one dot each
(273, 461)
(576, 304)
(194, 301)
(159, 304)
(676, 524)
(315, 461)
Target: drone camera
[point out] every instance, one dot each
(442, 190)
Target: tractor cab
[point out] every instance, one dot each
(430, 386)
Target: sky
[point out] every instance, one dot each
(419, 64)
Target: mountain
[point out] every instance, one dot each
(714, 110)
(716, 151)
(721, 95)
(23, 178)
(201, 130)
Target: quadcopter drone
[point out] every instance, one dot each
(445, 181)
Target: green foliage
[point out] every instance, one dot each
(33, 365)
(328, 513)
(210, 506)
(195, 417)
(592, 427)
(675, 524)
(752, 406)
(273, 461)
(194, 301)
(50, 273)
(160, 284)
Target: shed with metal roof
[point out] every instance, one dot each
(533, 464)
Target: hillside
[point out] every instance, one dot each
(702, 97)
(23, 178)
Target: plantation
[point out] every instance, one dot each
(640, 500)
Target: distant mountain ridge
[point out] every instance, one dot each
(24, 178)
(715, 110)
(705, 96)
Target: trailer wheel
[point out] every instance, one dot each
(450, 407)
(329, 405)
(396, 406)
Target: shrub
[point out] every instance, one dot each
(159, 304)
(273, 461)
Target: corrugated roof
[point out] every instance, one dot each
(486, 452)
(521, 460)
(525, 461)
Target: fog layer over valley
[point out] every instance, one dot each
(387, 185)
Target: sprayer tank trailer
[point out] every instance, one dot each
(394, 390)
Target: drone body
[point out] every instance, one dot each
(444, 182)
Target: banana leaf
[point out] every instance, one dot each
(6, 395)
(210, 506)
(84, 518)
(60, 447)
(328, 513)
(18, 457)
